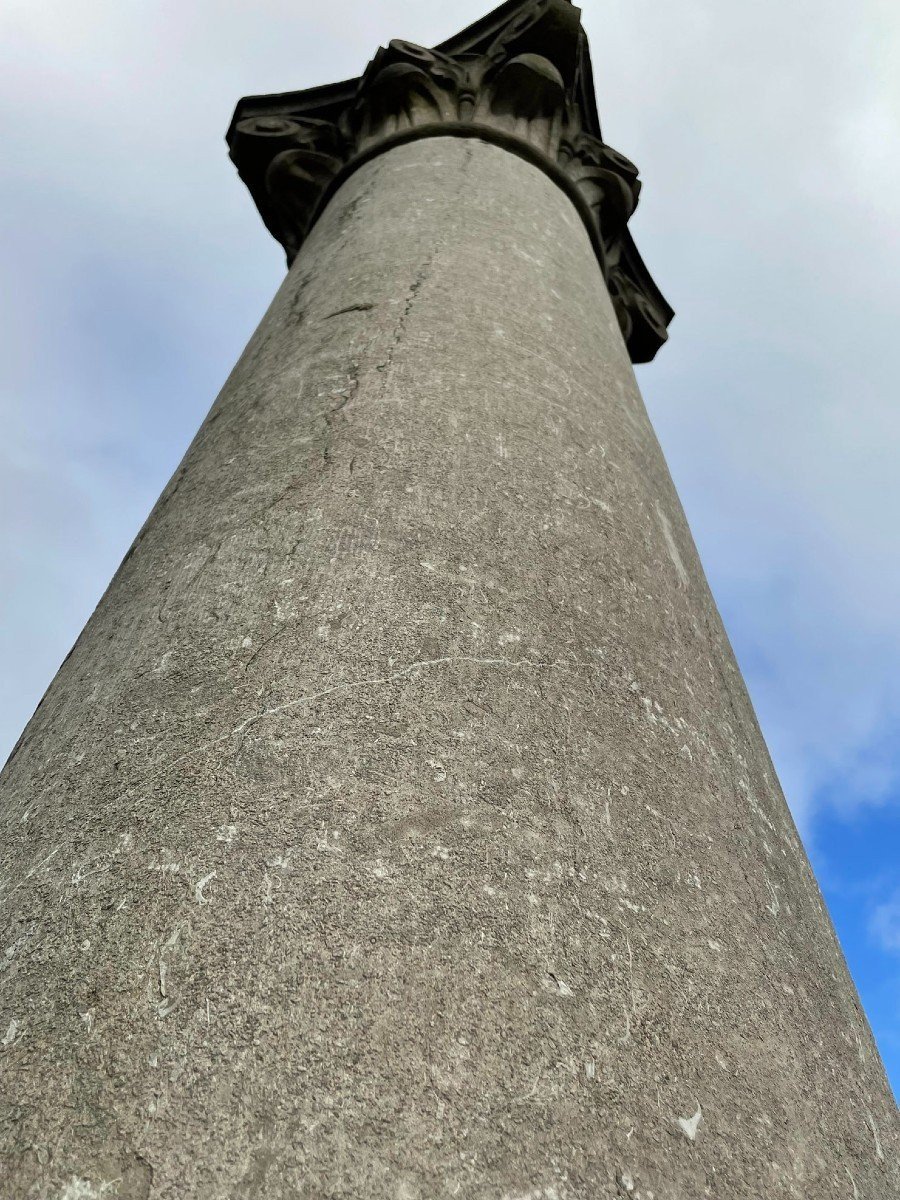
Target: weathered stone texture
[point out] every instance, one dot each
(399, 826)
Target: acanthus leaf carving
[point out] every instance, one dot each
(526, 96)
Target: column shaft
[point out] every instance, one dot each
(399, 825)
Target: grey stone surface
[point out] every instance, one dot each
(399, 826)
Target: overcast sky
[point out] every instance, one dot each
(134, 268)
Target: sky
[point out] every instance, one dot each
(135, 268)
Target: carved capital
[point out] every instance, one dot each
(520, 77)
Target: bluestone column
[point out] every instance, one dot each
(399, 827)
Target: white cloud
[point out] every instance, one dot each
(885, 924)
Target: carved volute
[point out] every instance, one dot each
(521, 78)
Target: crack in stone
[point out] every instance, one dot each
(351, 308)
(421, 277)
(397, 335)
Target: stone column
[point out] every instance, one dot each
(399, 826)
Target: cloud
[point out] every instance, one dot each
(885, 924)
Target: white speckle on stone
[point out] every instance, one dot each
(167, 868)
(672, 547)
(83, 1189)
(690, 1125)
(174, 938)
(714, 945)
(160, 667)
(590, 1069)
(879, 1153)
(226, 834)
(325, 845)
(685, 752)
(380, 872)
(11, 1034)
(437, 766)
(509, 639)
(775, 907)
(247, 643)
(626, 1182)
(721, 1061)
(200, 885)
(440, 852)
(553, 984)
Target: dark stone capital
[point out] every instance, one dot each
(520, 77)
